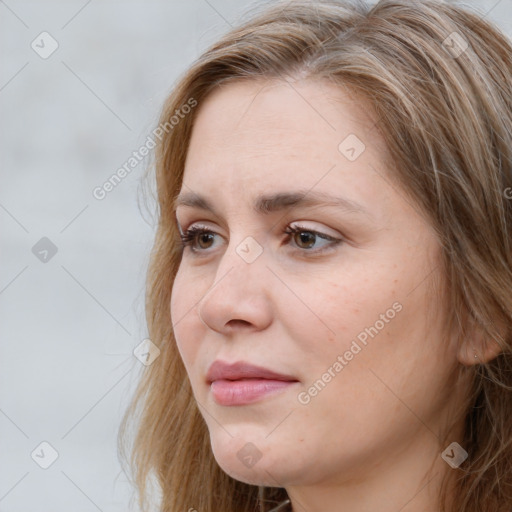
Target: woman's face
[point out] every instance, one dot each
(339, 308)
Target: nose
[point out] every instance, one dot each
(239, 298)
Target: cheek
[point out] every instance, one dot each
(183, 317)
(178, 300)
(345, 304)
(372, 320)
(388, 345)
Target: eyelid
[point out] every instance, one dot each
(299, 223)
(194, 225)
(317, 229)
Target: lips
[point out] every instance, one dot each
(220, 370)
(242, 383)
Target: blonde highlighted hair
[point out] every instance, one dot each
(439, 78)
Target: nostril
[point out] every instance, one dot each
(236, 323)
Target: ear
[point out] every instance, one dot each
(478, 347)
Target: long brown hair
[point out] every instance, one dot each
(439, 78)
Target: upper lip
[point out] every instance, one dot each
(242, 370)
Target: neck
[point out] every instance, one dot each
(409, 482)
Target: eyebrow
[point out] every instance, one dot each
(266, 204)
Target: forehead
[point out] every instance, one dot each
(251, 118)
(256, 136)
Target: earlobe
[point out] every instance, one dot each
(484, 354)
(479, 347)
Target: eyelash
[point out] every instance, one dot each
(190, 235)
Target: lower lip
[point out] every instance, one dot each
(246, 391)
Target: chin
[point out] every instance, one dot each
(251, 476)
(248, 463)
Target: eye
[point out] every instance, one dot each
(305, 238)
(195, 234)
(200, 239)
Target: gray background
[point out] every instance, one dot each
(69, 324)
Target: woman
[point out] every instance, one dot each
(330, 285)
